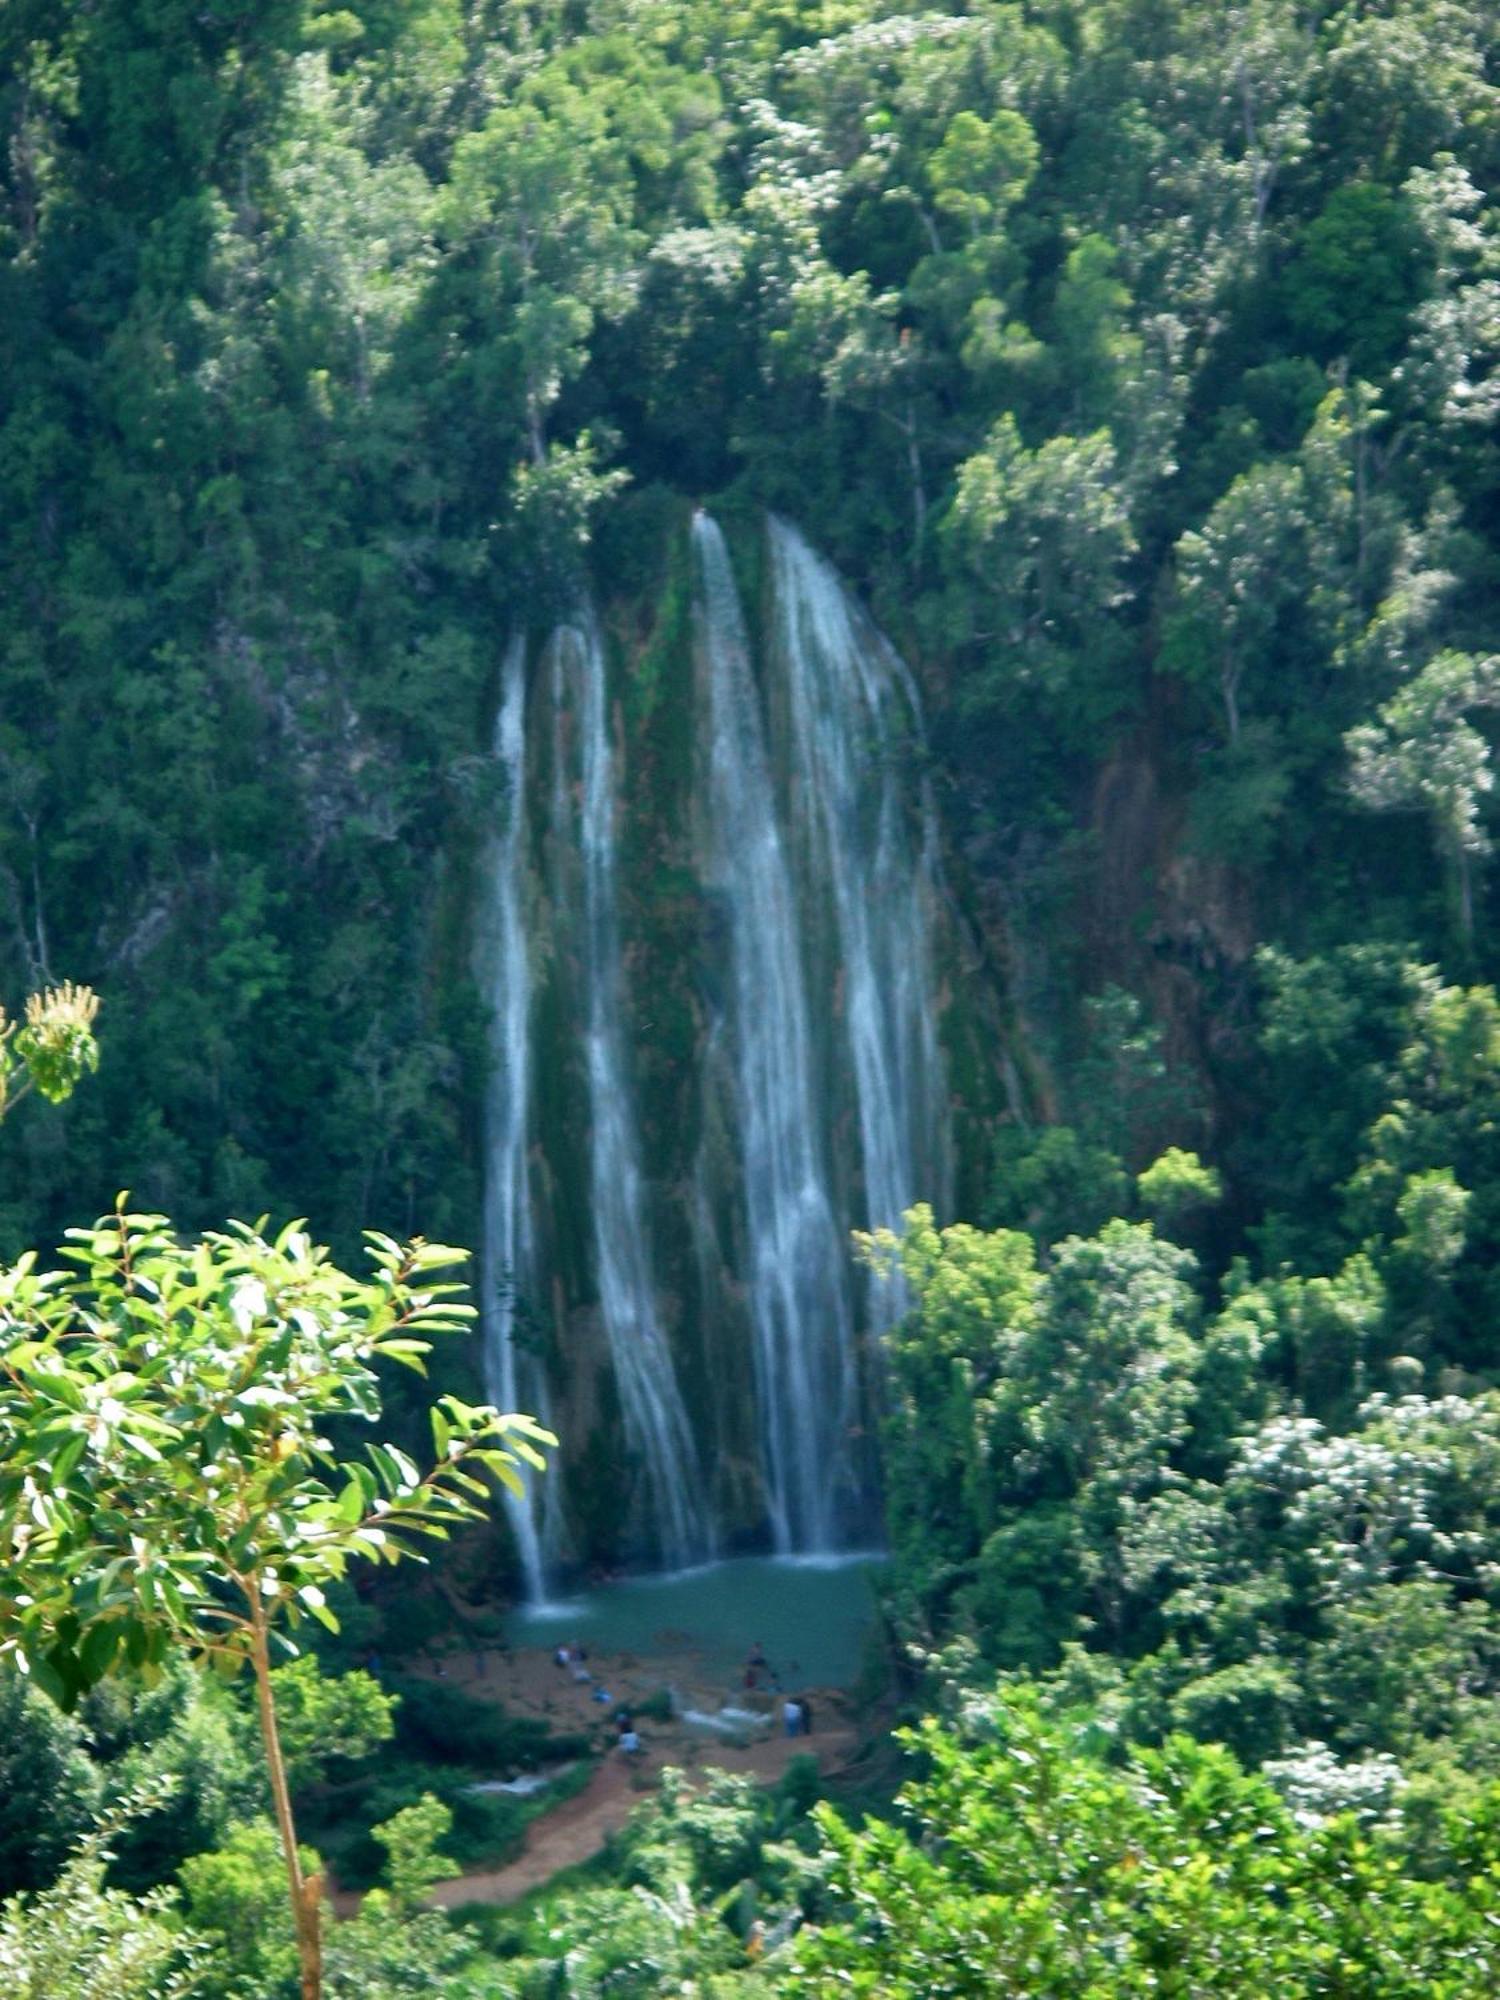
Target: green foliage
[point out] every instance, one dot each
(193, 1745)
(1238, 578)
(1150, 411)
(1085, 1458)
(410, 1837)
(982, 166)
(1034, 1410)
(327, 1720)
(80, 1940)
(1176, 1184)
(53, 1049)
(1027, 1591)
(165, 1487)
(236, 1898)
(240, 1933)
(172, 1398)
(1354, 279)
(1139, 362)
(1027, 1867)
(49, 1791)
(1424, 753)
(1432, 1207)
(438, 1723)
(698, 1882)
(975, 1298)
(1054, 1181)
(383, 1954)
(56, 1045)
(1041, 539)
(1129, 1095)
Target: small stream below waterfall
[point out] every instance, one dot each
(812, 1615)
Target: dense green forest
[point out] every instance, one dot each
(1138, 362)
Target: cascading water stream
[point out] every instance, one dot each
(852, 713)
(656, 1424)
(811, 1016)
(503, 969)
(797, 1255)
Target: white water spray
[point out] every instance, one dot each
(853, 718)
(800, 1313)
(656, 1424)
(502, 966)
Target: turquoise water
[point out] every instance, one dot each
(810, 1614)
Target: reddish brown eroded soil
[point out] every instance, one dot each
(581, 1825)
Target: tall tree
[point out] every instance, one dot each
(165, 1484)
(1423, 754)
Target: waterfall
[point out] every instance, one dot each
(853, 715)
(513, 1379)
(656, 1424)
(795, 1250)
(778, 900)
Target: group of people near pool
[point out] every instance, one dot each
(574, 1658)
(796, 1709)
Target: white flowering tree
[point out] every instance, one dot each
(1424, 754)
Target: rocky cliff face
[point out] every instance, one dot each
(738, 962)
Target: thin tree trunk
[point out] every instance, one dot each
(918, 492)
(1262, 171)
(36, 950)
(306, 1890)
(1465, 892)
(1229, 683)
(1360, 507)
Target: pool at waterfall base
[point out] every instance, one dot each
(811, 1614)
